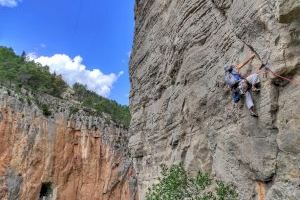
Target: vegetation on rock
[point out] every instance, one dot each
(118, 113)
(16, 70)
(176, 184)
(19, 72)
(46, 110)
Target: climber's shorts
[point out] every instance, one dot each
(253, 79)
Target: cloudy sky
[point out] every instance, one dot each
(86, 41)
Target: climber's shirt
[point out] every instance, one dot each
(232, 77)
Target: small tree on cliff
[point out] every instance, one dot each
(175, 184)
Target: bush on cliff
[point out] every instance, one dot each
(46, 110)
(175, 184)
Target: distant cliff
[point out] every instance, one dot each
(68, 154)
(182, 111)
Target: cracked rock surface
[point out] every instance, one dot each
(182, 110)
(72, 155)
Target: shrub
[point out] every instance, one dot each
(73, 110)
(28, 101)
(46, 110)
(175, 184)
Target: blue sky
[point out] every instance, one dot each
(98, 32)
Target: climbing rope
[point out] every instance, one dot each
(278, 75)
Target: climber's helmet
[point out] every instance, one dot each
(228, 68)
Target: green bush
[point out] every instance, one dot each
(73, 110)
(46, 110)
(175, 184)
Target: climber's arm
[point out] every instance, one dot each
(239, 66)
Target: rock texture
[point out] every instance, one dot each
(66, 156)
(182, 110)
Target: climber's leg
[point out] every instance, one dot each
(248, 99)
(250, 104)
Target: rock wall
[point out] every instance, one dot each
(182, 111)
(62, 157)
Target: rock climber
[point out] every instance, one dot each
(242, 86)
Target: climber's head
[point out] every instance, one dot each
(228, 68)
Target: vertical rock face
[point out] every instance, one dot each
(63, 156)
(182, 110)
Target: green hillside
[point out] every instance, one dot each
(18, 72)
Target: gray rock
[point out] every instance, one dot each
(14, 182)
(86, 143)
(182, 110)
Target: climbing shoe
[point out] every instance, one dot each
(253, 114)
(255, 89)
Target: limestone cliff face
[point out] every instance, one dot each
(61, 157)
(182, 110)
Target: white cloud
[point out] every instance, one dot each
(42, 45)
(72, 71)
(9, 3)
(120, 73)
(31, 56)
(129, 54)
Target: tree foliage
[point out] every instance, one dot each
(175, 184)
(118, 113)
(16, 70)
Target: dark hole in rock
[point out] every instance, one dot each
(175, 143)
(270, 180)
(280, 82)
(46, 191)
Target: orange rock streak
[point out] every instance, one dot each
(77, 162)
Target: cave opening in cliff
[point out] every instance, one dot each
(46, 190)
